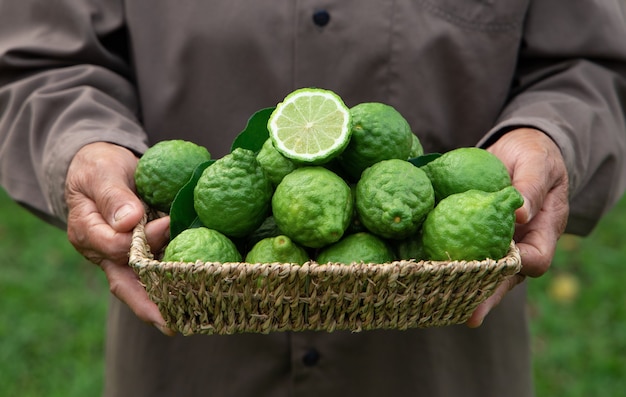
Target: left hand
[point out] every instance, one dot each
(103, 210)
(538, 171)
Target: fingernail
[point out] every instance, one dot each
(164, 330)
(474, 323)
(122, 212)
(525, 210)
(527, 207)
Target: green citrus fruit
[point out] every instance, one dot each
(201, 244)
(277, 249)
(379, 132)
(466, 168)
(233, 195)
(275, 165)
(310, 126)
(313, 206)
(360, 247)
(393, 198)
(416, 147)
(165, 168)
(473, 225)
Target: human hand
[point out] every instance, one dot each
(538, 171)
(103, 210)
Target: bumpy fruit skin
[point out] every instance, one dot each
(201, 244)
(393, 198)
(362, 247)
(277, 249)
(233, 195)
(466, 168)
(275, 165)
(379, 132)
(416, 147)
(313, 206)
(473, 225)
(165, 168)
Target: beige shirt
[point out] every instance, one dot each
(461, 71)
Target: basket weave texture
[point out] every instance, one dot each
(229, 298)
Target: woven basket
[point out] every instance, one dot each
(229, 298)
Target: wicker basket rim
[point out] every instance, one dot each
(226, 298)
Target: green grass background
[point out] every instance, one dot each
(53, 310)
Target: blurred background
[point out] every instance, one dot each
(53, 310)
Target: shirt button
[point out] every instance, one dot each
(311, 357)
(321, 17)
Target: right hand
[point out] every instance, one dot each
(538, 171)
(103, 210)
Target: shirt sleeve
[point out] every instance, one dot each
(65, 81)
(571, 84)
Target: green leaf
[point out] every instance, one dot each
(196, 223)
(256, 133)
(420, 161)
(182, 213)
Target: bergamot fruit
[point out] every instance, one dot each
(416, 147)
(362, 247)
(201, 244)
(275, 165)
(310, 126)
(379, 132)
(466, 168)
(313, 206)
(233, 195)
(277, 249)
(165, 168)
(393, 198)
(473, 225)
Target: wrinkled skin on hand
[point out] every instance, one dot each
(103, 210)
(538, 171)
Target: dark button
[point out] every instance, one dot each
(321, 17)
(311, 357)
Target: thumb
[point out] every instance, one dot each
(535, 164)
(118, 204)
(525, 213)
(530, 178)
(123, 210)
(104, 173)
